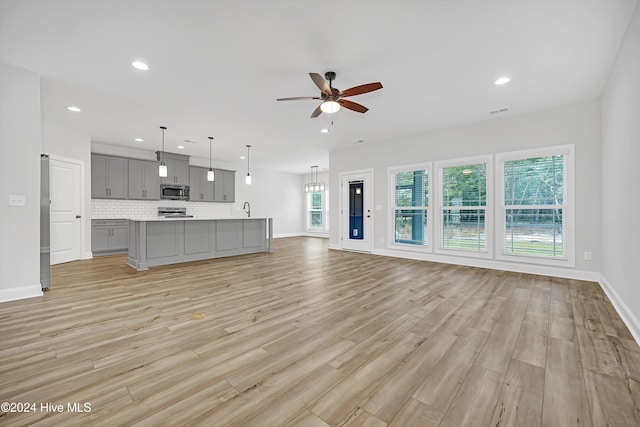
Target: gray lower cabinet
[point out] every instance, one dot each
(108, 177)
(144, 182)
(159, 242)
(225, 186)
(109, 236)
(201, 190)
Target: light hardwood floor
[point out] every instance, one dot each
(312, 337)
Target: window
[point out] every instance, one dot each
(314, 211)
(318, 211)
(411, 207)
(463, 207)
(534, 206)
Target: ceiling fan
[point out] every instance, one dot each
(332, 98)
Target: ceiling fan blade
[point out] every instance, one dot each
(321, 83)
(357, 90)
(295, 98)
(352, 106)
(316, 112)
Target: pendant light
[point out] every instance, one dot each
(162, 169)
(314, 185)
(247, 179)
(210, 173)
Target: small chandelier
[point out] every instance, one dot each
(314, 186)
(247, 179)
(210, 173)
(162, 169)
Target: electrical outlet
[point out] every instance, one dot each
(16, 200)
(587, 256)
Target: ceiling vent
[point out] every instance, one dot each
(502, 110)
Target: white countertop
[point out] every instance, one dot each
(155, 218)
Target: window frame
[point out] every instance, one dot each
(568, 206)
(323, 210)
(488, 252)
(391, 174)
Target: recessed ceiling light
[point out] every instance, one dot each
(502, 80)
(138, 140)
(360, 141)
(73, 108)
(242, 157)
(501, 110)
(140, 66)
(324, 130)
(181, 147)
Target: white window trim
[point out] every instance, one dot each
(391, 174)
(569, 205)
(323, 210)
(489, 208)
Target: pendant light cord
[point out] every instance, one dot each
(210, 144)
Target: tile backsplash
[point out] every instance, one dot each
(106, 209)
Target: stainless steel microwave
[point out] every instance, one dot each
(174, 192)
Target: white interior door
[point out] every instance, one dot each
(356, 211)
(65, 219)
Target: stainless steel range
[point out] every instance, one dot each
(173, 213)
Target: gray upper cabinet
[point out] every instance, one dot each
(224, 186)
(177, 168)
(108, 177)
(144, 182)
(201, 190)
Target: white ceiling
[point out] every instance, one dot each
(218, 66)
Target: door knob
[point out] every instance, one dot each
(78, 216)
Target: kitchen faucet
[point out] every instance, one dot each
(244, 208)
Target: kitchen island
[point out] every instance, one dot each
(160, 241)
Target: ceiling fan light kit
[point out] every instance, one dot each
(330, 107)
(332, 98)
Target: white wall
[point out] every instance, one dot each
(576, 124)
(272, 194)
(20, 142)
(63, 143)
(620, 182)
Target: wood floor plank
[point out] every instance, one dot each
(479, 392)
(441, 385)
(520, 401)
(387, 400)
(415, 413)
(565, 396)
(596, 351)
(609, 400)
(500, 344)
(312, 336)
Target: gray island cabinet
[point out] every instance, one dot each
(163, 241)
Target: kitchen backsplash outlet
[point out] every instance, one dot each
(106, 209)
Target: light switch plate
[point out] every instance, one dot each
(16, 200)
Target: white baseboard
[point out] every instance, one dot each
(280, 235)
(314, 234)
(623, 310)
(543, 270)
(334, 246)
(87, 255)
(21, 292)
